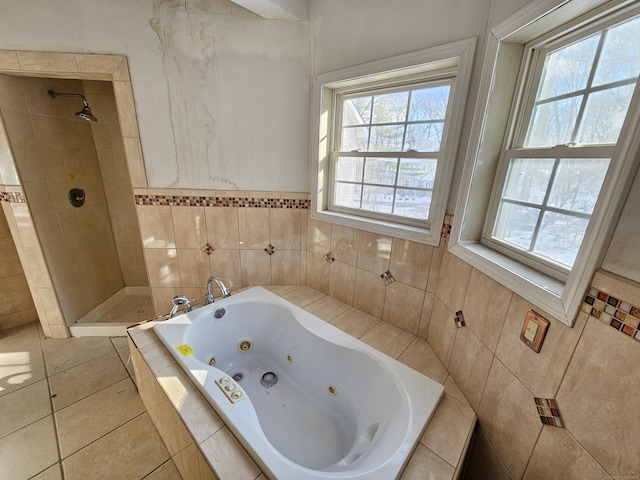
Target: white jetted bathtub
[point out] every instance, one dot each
(305, 399)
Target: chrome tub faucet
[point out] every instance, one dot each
(223, 288)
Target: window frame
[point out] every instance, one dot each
(491, 134)
(437, 63)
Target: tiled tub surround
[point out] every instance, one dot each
(200, 443)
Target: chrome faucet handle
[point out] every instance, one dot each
(209, 298)
(179, 301)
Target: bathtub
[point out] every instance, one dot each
(305, 399)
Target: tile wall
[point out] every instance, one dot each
(582, 370)
(16, 304)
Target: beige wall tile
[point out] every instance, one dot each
(189, 226)
(285, 267)
(403, 306)
(341, 281)
(470, 364)
(540, 372)
(369, 293)
(135, 162)
(442, 331)
(97, 63)
(174, 434)
(186, 462)
(162, 267)
(302, 296)
(225, 264)
(447, 432)
(255, 267)
(47, 61)
(253, 228)
(131, 451)
(327, 308)
(436, 264)
(558, 455)
(374, 252)
(451, 388)
(453, 281)
(344, 244)
(156, 226)
(126, 109)
(484, 462)
(222, 227)
(9, 60)
(285, 226)
(194, 267)
(425, 317)
(317, 272)
(420, 356)
(27, 229)
(410, 262)
(590, 394)
(318, 237)
(198, 416)
(507, 414)
(485, 308)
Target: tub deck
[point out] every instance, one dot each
(200, 443)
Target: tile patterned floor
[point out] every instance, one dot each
(69, 410)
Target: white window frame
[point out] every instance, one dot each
(456, 58)
(500, 96)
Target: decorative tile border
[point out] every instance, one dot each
(548, 410)
(387, 277)
(619, 314)
(244, 202)
(459, 319)
(12, 197)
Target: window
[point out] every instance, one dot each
(558, 145)
(552, 177)
(388, 135)
(387, 149)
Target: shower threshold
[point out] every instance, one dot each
(128, 306)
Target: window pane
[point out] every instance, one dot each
(417, 172)
(356, 111)
(553, 123)
(429, 103)
(516, 224)
(560, 237)
(347, 195)
(604, 115)
(381, 171)
(412, 203)
(349, 169)
(567, 70)
(354, 138)
(386, 139)
(621, 53)
(577, 183)
(377, 199)
(528, 179)
(390, 107)
(424, 137)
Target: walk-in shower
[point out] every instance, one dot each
(85, 113)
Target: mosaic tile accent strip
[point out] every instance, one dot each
(270, 249)
(329, 257)
(446, 230)
(387, 278)
(208, 249)
(548, 411)
(244, 202)
(12, 197)
(616, 312)
(459, 319)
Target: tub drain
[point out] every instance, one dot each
(269, 379)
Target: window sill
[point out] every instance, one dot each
(395, 230)
(543, 291)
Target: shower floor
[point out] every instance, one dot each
(126, 307)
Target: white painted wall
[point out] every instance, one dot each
(221, 94)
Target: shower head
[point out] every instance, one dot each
(85, 113)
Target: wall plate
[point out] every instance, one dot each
(534, 330)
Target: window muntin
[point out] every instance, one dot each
(551, 181)
(387, 148)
